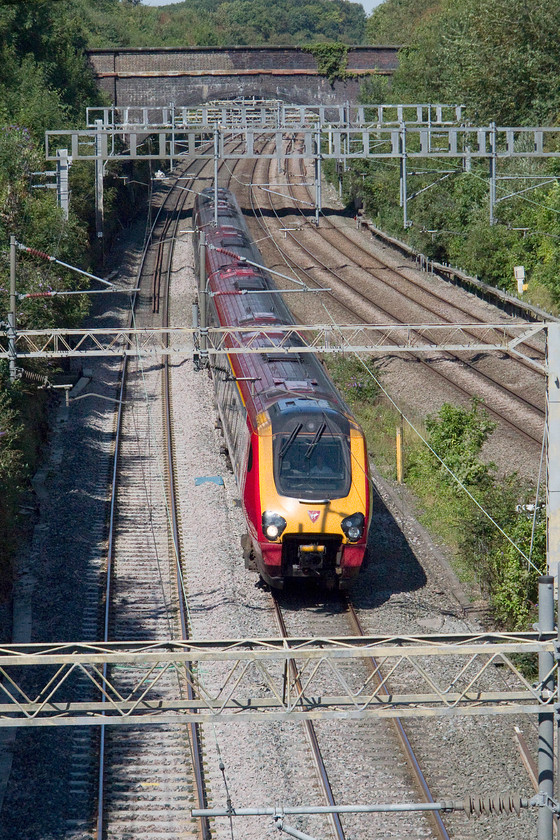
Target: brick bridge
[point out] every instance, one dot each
(191, 76)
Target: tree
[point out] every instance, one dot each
(396, 21)
(499, 57)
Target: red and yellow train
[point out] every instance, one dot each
(298, 454)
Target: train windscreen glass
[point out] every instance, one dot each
(310, 468)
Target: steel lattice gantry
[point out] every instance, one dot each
(267, 113)
(250, 679)
(288, 339)
(330, 142)
(372, 136)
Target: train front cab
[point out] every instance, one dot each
(314, 493)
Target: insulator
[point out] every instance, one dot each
(493, 805)
(37, 253)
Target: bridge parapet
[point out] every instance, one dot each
(187, 76)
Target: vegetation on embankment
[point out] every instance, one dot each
(45, 83)
(332, 60)
(455, 514)
(500, 59)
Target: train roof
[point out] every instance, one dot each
(281, 379)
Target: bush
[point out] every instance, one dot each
(508, 580)
(457, 436)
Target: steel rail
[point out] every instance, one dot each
(533, 368)
(111, 535)
(331, 228)
(408, 751)
(193, 728)
(308, 724)
(495, 383)
(412, 761)
(99, 828)
(502, 416)
(158, 268)
(312, 735)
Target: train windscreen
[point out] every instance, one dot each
(307, 467)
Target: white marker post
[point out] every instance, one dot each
(519, 274)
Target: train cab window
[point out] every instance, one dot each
(306, 468)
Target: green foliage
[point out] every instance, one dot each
(29, 100)
(495, 248)
(483, 552)
(222, 22)
(44, 83)
(509, 581)
(18, 159)
(544, 249)
(11, 464)
(451, 224)
(457, 436)
(396, 21)
(331, 60)
(35, 220)
(13, 474)
(500, 57)
(22, 434)
(44, 80)
(514, 581)
(375, 90)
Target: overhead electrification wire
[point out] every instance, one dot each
(449, 470)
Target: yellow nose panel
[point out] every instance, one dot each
(308, 517)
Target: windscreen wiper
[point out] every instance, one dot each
(287, 443)
(315, 440)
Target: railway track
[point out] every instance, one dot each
(354, 303)
(479, 384)
(413, 286)
(410, 763)
(430, 752)
(416, 288)
(148, 775)
(157, 805)
(377, 750)
(148, 778)
(376, 745)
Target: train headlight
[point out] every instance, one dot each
(273, 525)
(353, 526)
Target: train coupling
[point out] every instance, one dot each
(311, 557)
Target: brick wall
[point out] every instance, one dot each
(145, 77)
